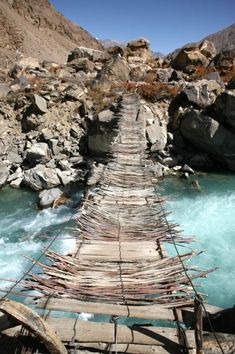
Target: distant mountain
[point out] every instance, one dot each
(111, 43)
(36, 29)
(223, 40)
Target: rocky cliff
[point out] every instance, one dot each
(35, 28)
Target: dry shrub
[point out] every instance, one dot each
(152, 91)
(101, 99)
(150, 77)
(203, 70)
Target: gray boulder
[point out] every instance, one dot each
(38, 152)
(47, 197)
(157, 135)
(190, 55)
(202, 93)
(41, 177)
(209, 136)
(91, 54)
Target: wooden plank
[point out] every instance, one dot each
(88, 331)
(151, 312)
(133, 348)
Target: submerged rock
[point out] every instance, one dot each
(48, 197)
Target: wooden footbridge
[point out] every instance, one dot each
(120, 267)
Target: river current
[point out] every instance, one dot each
(208, 214)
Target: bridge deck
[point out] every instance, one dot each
(120, 266)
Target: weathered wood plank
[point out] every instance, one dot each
(151, 312)
(88, 331)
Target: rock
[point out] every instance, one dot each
(41, 177)
(48, 197)
(115, 50)
(4, 173)
(189, 56)
(75, 94)
(82, 64)
(157, 135)
(4, 89)
(208, 49)
(139, 48)
(169, 161)
(47, 134)
(75, 132)
(14, 158)
(105, 116)
(16, 175)
(225, 105)
(164, 74)
(186, 168)
(91, 54)
(38, 152)
(30, 122)
(138, 43)
(156, 169)
(40, 103)
(66, 177)
(209, 136)
(225, 60)
(202, 93)
(118, 68)
(16, 183)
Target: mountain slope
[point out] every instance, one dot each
(223, 40)
(35, 28)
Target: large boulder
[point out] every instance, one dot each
(208, 135)
(189, 56)
(89, 53)
(225, 60)
(38, 152)
(118, 69)
(157, 135)
(202, 93)
(226, 108)
(47, 197)
(41, 177)
(139, 48)
(207, 48)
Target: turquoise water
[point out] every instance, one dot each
(209, 215)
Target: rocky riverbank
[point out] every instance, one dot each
(54, 119)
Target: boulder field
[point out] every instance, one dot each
(57, 121)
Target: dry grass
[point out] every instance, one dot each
(203, 70)
(101, 99)
(151, 91)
